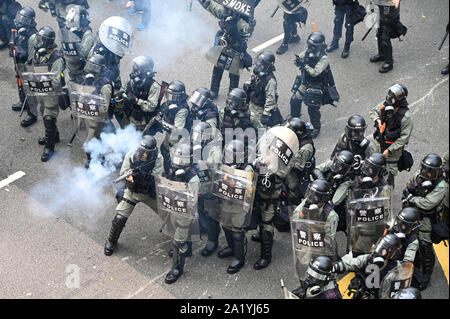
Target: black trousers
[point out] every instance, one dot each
(390, 16)
(290, 23)
(340, 13)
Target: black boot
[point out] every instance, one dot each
(444, 71)
(88, 162)
(29, 120)
(43, 140)
(215, 82)
(295, 38)
(333, 46)
(315, 116)
(380, 56)
(17, 107)
(178, 260)
(234, 82)
(227, 251)
(50, 135)
(428, 261)
(240, 250)
(282, 49)
(266, 250)
(188, 253)
(117, 226)
(213, 238)
(256, 237)
(346, 51)
(386, 67)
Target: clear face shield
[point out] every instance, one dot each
(235, 107)
(197, 101)
(355, 134)
(73, 19)
(21, 21)
(314, 198)
(143, 155)
(339, 168)
(428, 173)
(174, 97)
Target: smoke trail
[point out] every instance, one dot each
(76, 191)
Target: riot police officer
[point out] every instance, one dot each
(58, 8)
(175, 117)
(338, 174)
(426, 191)
(393, 126)
(354, 139)
(405, 227)
(261, 90)
(203, 108)
(390, 28)
(138, 169)
(8, 10)
(182, 170)
(76, 52)
(234, 34)
(237, 115)
(305, 162)
(206, 147)
(342, 8)
(311, 85)
(141, 94)
(385, 255)
(291, 17)
(95, 74)
(235, 156)
(320, 282)
(25, 27)
(43, 50)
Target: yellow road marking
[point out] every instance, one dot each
(442, 255)
(343, 284)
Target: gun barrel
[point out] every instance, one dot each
(123, 177)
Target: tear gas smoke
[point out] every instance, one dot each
(85, 192)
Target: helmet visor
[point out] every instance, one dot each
(144, 155)
(355, 133)
(315, 197)
(93, 68)
(21, 21)
(198, 99)
(428, 173)
(338, 167)
(174, 97)
(371, 170)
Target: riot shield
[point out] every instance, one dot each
(368, 213)
(245, 8)
(396, 279)
(116, 34)
(177, 208)
(69, 43)
(277, 147)
(290, 6)
(39, 82)
(310, 239)
(233, 192)
(225, 58)
(87, 103)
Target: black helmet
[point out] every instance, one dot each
(319, 271)
(77, 17)
(148, 150)
(408, 293)
(407, 219)
(264, 63)
(176, 92)
(316, 43)
(142, 70)
(234, 153)
(25, 18)
(95, 65)
(236, 100)
(45, 40)
(430, 167)
(374, 165)
(199, 98)
(342, 162)
(202, 134)
(318, 192)
(355, 128)
(300, 127)
(181, 157)
(387, 247)
(397, 95)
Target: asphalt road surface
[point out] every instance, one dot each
(44, 250)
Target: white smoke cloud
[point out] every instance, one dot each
(86, 192)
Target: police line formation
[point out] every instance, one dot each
(230, 188)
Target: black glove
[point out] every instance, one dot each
(299, 62)
(265, 120)
(300, 292)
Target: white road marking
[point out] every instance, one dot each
(12, 178)
(430, 92)
(268, 43)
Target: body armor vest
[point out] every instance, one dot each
(258, 97)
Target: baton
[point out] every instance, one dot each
(275, 11)
(23, 105)
(74, 133)
(443, 40)
(368, 31)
